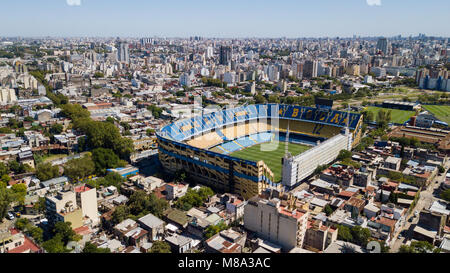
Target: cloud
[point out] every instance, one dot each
(78, 2)
(373, 2)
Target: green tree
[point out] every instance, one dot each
(91, 248)
(418, 247)
(156, 111)
(46, 171)
(3, 169)
(214, 229)
(64, 229)
(344, 154)
(19, 191)
(445, 195)
(79, 168)
(360, 235)
(6, 198)
(56, 128)
(160, 247)
(104, 159)
(75, 111)
(120, 213)
(344, 234)
(328, 210)
(55, 245)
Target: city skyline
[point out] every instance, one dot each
(268, 19)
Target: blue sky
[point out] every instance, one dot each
(224, 18)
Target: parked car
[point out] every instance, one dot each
(10, 216)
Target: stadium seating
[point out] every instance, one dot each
(262, 137)
(245, 141)
(306, 120)
(206, 141)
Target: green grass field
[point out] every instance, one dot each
(398, 116)
(442, 112)
(271, 158)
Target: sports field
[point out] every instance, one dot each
(442, 112)
(397, 116)
(271, 153)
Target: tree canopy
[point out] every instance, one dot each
(46, 171)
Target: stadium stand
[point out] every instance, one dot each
(201, 145)
(206, 141)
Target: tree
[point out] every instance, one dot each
(22, 224)
(344, 234)
(120, 213)
(5, 178)
(46, 171)
(138, 202)
(3, 169)
(19, 191)
(328, 210)
(74, 111)
(40, 205)
(214, 229)
(160, 247)
(446, 195)
(156, 111)
(441, 169)
(65, 231)
(157, 206)
(111, 179)
(259, 99)
(79, 168)
(383, 118)
(360, 235)
(56, 128)
(55, 245)
(418, 247)
(91, 248)
(193, 198)
(37, 234)
(6, 197)
(98, 74)
(344, 154)
(104, 159)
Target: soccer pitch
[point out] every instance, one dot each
(273, 157)
(397, 116)
(442, 112)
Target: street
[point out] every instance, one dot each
(426, 199)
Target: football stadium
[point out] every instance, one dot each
(247, 149)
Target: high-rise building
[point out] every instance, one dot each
(310, 69)
(225, 55)
(382, 45)
(209, 52)
(123, 53)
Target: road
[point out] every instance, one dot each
(427, 197)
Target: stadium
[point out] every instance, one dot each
(247, 149)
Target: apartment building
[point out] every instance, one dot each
(283, 225)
